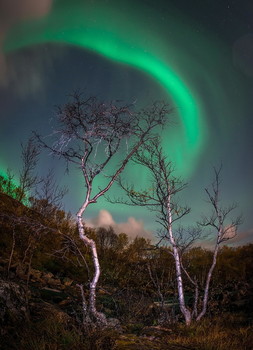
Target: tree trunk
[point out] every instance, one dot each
(208, 280)
(99, 317)
(180, 288)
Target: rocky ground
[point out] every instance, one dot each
(41, 311)
(56, 300)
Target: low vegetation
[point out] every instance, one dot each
(43, 263)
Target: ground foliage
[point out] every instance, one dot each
(43, 258)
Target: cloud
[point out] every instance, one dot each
(13, 10)
(241, 238)
(104, 218)
(17, 10)
(229, 232)
(19, 71)
(131, 227)
(27, 72)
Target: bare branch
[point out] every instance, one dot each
(91, 134)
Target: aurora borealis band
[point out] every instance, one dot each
(74, 26)
(189, 55)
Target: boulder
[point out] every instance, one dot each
(13, 304)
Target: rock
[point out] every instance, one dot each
(48, 275)
(35, 274)
(114, 323)
(54, 282)
(67, 282)
(13, 305)
(50, 279)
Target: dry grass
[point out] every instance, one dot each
(51, 333)
(224, 333)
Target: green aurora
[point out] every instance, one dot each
(193, 69)
(92, 27)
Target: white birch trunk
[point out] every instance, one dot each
(180, 288)
(208, 280)
(99, 317)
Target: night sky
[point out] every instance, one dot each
(196, 55)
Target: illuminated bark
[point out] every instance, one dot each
(89, 135)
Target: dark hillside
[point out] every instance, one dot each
(42, 263)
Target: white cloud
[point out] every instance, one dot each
(131, 227)
(234, 239)
(229, 232)
(242, 238)
(104, 218)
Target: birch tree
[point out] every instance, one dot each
(160, 197)
(223, 226)
(100, 139)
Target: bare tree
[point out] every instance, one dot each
(8, 185)
(48, 196)
(27, 179)
(100, 139)
(224, 227)
(162, 277)
(28, 227)
(160, 197)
